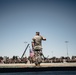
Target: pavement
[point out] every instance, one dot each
(23, 65)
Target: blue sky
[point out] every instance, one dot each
(54, 19)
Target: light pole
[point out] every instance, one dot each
(67, 47)
(25, 43)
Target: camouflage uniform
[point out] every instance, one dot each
(37, 47)
(37, 41)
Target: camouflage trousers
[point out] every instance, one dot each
(38, 55)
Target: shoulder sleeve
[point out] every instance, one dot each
(33, 40)
(41, 37)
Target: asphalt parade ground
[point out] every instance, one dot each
(23, 65)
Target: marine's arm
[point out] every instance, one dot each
(43, 38)
(33, 43)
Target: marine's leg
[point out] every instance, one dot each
(36, 57)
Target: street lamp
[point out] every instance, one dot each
(67, 47)
(25, 43)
